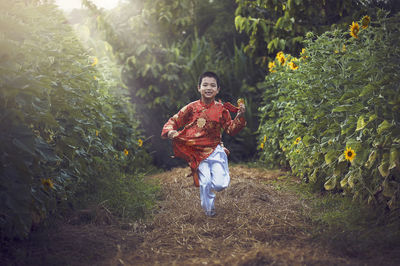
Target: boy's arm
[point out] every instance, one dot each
(177, 121)
(232, 127)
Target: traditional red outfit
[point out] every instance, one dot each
(202, 130)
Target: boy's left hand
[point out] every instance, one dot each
(242, 110)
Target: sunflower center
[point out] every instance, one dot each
(349, 154)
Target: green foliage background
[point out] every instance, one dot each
(163, 47)
(274, 25)
(344, 94)
(64, 126)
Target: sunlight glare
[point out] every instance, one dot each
(68, 5)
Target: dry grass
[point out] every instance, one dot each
(256, 224)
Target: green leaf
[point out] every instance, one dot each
(350, 180)
(384, 167)
(367, 90)
(331, 183)
(313, 177)
(340, 168)
(343, 182)
(389, 188)
(372, 118)
(330, 156)
(394, 158)
(371, 159)
(306, 140)
(385, 125)
(360, 123)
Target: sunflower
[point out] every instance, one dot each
(298, 139)
(271, 66)
(349, 154)
(279, 54)
(282, 60)
(265, 138)
(140, 142)
(126, 152)
(262, 145)
(47, 183)
(97, 133)
(240, 101)
(293, 65)
(354, 29)
(365, 22)
(303, 53)
(95, 61)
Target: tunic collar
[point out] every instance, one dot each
(203, 104)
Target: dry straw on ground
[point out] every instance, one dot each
(256, 224)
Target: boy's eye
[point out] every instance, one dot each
(206, 84)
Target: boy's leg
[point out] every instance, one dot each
(219, 170)
(219, 175)
(214, 175)
(206, 195)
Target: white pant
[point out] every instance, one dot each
(213, 175)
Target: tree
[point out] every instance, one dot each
(163, 46)
(280, 25)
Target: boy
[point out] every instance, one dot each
(199, 143)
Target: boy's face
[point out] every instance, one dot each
(208, 88)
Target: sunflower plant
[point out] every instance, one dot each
(343, 100)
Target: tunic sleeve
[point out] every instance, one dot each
(178, 120)
(232, 127)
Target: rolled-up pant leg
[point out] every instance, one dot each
(213, 175)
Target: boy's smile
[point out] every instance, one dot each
(208, 89)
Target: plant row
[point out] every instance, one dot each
(332, 114)
(67, 136)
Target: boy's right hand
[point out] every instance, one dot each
(172, 134)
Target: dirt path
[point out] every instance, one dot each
(257, 223)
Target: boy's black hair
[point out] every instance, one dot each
(210, 75)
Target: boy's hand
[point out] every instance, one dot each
(242, 110)
(226, 151)
(172, 134)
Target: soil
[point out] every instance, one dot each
(257, 223)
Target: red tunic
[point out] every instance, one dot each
(202, 130)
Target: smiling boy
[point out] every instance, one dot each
(199, 142)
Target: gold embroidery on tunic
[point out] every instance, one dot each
(201, 122)
(190, 142)
(207, 150)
